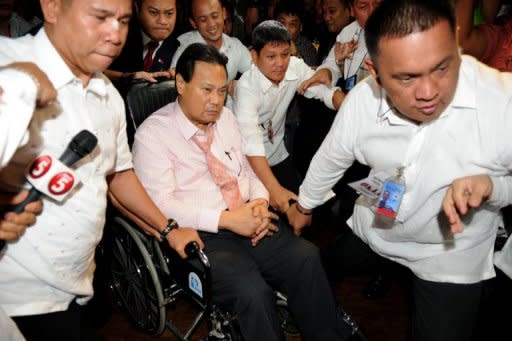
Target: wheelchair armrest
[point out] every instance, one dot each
(192, 250)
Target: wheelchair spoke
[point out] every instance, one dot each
(133, 283)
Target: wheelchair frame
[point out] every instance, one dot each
(147, 276)
(142, 281)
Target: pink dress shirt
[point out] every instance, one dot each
(174, 171)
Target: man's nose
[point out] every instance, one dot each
(427, 88)
(115, 31)
(162, 19)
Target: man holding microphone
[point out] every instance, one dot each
(46, 274)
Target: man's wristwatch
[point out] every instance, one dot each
(301, 210)
(171, 225)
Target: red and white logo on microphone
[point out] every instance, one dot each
(51, 177)
(40, 166)
(61, 183)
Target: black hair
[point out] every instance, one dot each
(190, 7)
(198, 52)
(269, 31)
(346, 3)
(399, 18)
(289, 7)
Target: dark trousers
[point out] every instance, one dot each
(244, 278)
(287, 175)
(439, 311)
(444, 311)
(69, 325)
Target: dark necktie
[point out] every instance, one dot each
(148, 60)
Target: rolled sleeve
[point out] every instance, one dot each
(124, 157)
(331, 65)
(322, 93)
(501, 191)
(17, 105)
(245, 107)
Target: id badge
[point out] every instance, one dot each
(269, 130)
(390, 198)
(350, 82)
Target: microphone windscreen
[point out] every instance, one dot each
(83, 143)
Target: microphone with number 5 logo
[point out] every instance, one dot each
(81, 145)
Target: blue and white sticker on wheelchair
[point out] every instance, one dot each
(195, 284)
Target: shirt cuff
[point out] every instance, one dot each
(254, 149)
(328, 97)
(259, 192)
(311, 204)
(501, 191)
(21, 85)
(208, 220)
(335, 72)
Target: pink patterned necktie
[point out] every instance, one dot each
(228, 184)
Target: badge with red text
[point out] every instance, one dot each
(371, 186)
(51, 177)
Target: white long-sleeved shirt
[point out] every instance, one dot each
(258, 103)
(53, 262)
(472, 136)
(17, 104)
(239, 57)
(351, 66)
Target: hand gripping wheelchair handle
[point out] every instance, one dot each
(192, 250)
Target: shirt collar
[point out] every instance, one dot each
(50, 61)
(195, 36)
(464, 97)
(146, 39)
(465, 93)
(266, 84)
(187, 128)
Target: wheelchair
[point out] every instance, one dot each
(147, 277)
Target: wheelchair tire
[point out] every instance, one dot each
(134, 280)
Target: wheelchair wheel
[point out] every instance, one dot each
(134, 279)
(285, 317)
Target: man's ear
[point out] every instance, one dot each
(192, 23)
(373, 70)
(224, 13)
(136, 8)
(51, 9)
(254, 56)
(180, 84)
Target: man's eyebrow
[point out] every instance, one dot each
(162, 9)
(417, 74)
(108, 13)
(445, 60)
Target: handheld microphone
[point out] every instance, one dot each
(82, 144)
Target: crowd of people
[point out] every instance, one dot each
(418, 88)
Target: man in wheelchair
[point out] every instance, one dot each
(188, 157)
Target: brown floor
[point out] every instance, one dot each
(380, 320)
